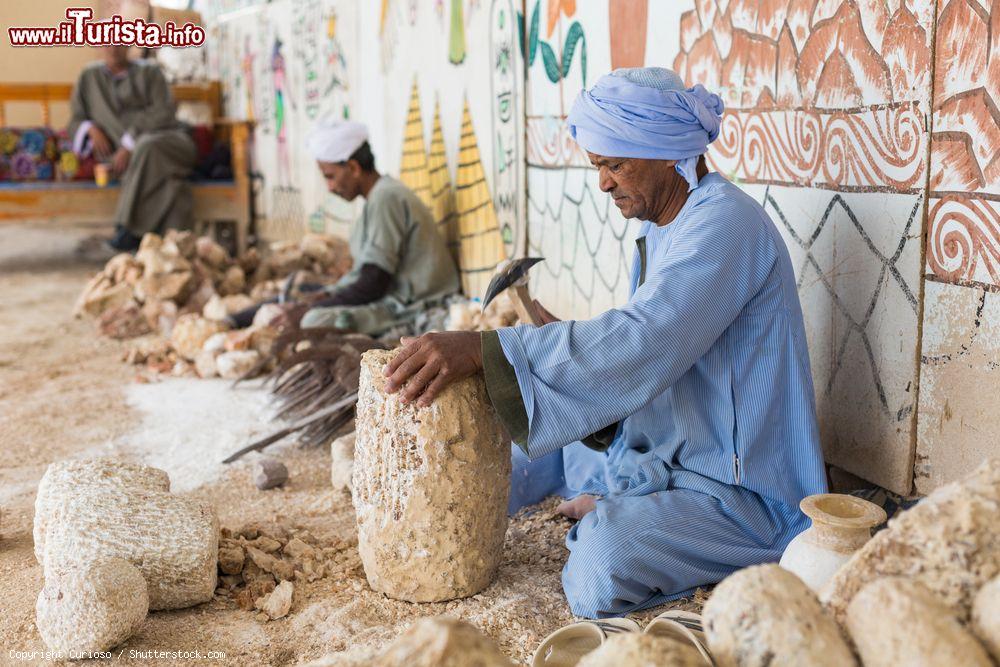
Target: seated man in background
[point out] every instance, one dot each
(124, 114)
(401, 263)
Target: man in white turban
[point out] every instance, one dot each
(680, 425)
(401, 263)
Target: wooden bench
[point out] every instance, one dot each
(82, 201)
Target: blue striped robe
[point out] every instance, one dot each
(707, 371)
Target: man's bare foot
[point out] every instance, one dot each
(577, 507)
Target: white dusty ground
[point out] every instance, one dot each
(64, 392)
(190, 425)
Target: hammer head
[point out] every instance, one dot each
(509, 275)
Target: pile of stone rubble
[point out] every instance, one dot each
(179, 290)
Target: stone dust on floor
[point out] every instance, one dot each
(64, 392)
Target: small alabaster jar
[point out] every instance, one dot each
(841, 525)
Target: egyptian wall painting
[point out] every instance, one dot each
(960, 356)
(586, 243)
(827, 103)
(443, 97)
(284, 65)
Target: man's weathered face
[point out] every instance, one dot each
(342, 178)
(637, 185)
(115, 56)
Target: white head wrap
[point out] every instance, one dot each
(335, 140)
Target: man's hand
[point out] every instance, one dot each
(100, 142)
(119, 162)
(578, 507)
(291, 315)
(546, 316)
(431, 362)
(313, 298)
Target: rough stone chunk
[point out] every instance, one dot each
(239, 340)
(183, 240)
(314, 247)
(175, 286)
(267, 312)
(102, 294)
(895, 621)
(122, 322)
(266, 543)
(204, 364)
(200, 297)
(216, 343)
(173, 541)
(92, 607)
(271, 564)
(765, 615)
(112, 475)
(948, 542)
(123, 268)
(342, 461)
(430, 488)
(442, 642)
(190, 333)
(298, 550)
(159, 255)
(161, 315)
(232, 365)
(277, 603)
(211, 252)
(986, 617)
(269, 473)
(231, 559)
(221, 307)
(633, 649)
(233, 281)
(262, 339)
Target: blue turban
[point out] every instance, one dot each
(645, 112)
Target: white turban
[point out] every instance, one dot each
(336, 140)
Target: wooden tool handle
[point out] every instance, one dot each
(524, 306)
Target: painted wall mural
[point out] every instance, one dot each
(506, 93)
(827, 102)
(457, 73)
(283, 65)
(587, 245)
(959, 375)
(828, 110)
(818, 93)
(964, 223)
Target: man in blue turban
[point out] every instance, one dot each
(680, 425)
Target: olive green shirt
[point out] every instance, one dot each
(397, 233)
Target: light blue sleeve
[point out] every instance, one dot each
(577, 377)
